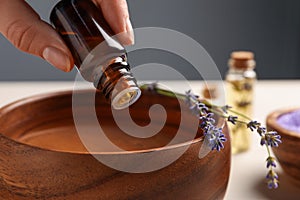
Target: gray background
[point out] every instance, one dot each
(270, 28)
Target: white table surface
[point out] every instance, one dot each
(248, 169)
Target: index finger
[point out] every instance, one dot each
(116, 14)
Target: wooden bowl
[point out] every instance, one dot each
(42, 156)
(287, 153)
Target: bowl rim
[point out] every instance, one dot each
(272, 121)
(29, 99)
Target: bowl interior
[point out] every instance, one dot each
(285, 121)
(47, 121)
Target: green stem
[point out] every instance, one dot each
(226, 116)
(269, 155)
(268, 149)
(207, 103)
(240, 114)
(165, 92)
(218, 113)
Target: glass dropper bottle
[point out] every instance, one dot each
(97, 53)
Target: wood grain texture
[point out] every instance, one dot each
(288, 152)
(61, 167)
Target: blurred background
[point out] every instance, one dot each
(269, 28)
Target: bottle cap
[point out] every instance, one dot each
(210, 91)
(242, 60)
(118, 84)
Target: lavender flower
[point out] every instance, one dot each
(273, 139)
(270, 138)
(190, 98)
(216, 138)
(203, 108)
(206, 120)
(152, 86)
(252, 125)
(232, 119)
(213, 134)
(247, 86)
(261, 130)
(272, 179)
(225, 108)
(273, 183)
(263, 140)
(199, 109)
(271, 162)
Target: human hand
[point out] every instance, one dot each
(22, 26)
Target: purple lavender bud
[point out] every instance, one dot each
(203, 108)
(232, 119)
(252, 125)
(272, 184)
(152, 86)
(271, 162)
(273, 139)
(262, 141)
(225, 108)
(261, 130)
(216, 138)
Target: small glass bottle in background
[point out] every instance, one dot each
(97, 53)
(240, 81)
(210, 91)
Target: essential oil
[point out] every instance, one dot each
(240, 81)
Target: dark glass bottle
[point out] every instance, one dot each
(97, 53)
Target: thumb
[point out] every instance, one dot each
(20, 24)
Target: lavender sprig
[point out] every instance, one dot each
(205, 111)
(232, 119)
(225, 108)
(272, 179)
(215, 137)
(152, 86)
(269, 139)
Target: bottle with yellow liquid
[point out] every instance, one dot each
(240, 81)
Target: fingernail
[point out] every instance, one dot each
(57, 58)
(129, 32)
